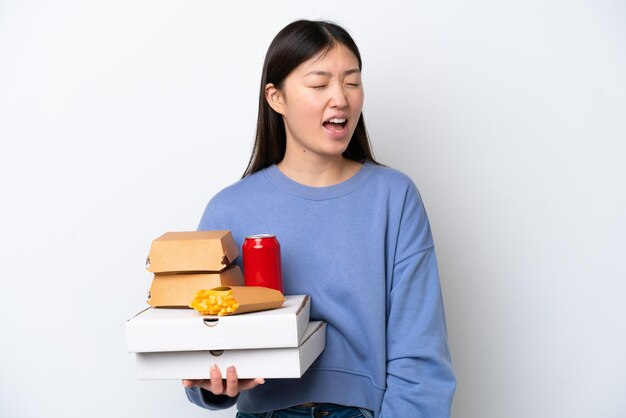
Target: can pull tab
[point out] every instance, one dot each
(211, 322)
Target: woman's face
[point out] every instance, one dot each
(321, 102)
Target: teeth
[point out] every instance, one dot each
(337, 120)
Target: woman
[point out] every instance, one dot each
(354, 236)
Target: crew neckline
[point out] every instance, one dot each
(288, 185)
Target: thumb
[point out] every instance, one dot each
(252, 383)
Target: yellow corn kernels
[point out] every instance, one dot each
(218, 301)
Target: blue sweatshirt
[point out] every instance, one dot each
(363, 251)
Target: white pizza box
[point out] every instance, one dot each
(176, 329)
(269, 363)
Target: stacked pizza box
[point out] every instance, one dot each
(268, 335)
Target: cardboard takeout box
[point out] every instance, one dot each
(178, 289)
(192, 251)
(173, 329)
(280, 362)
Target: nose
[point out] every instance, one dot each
(338, 97)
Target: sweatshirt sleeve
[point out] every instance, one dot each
(207, 400)
(420, 379)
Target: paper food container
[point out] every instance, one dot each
(248, 299)
(192, 251)
(178, 289)
(281, 362)
(172, 329)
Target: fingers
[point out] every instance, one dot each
(232, 382)
(247, 384)
(188, 383)
(217, 386)
(231, 386)
(203, 383)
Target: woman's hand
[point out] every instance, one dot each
(231, 386)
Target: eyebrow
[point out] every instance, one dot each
(328, 74)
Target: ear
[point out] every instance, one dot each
(275, 98)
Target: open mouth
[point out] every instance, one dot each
(335, 124)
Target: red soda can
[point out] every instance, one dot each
(261, 261)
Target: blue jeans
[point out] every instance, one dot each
(318, 411)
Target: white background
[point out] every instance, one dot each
(120, 119)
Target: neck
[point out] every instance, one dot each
(318, 172)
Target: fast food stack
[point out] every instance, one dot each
(186, 262)
(256, 329)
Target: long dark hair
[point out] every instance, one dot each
(294, 44)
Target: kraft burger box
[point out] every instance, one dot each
(192, 251)
(181, 343)
(185, 262)
(171, 290)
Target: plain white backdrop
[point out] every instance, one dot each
(120, 119)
